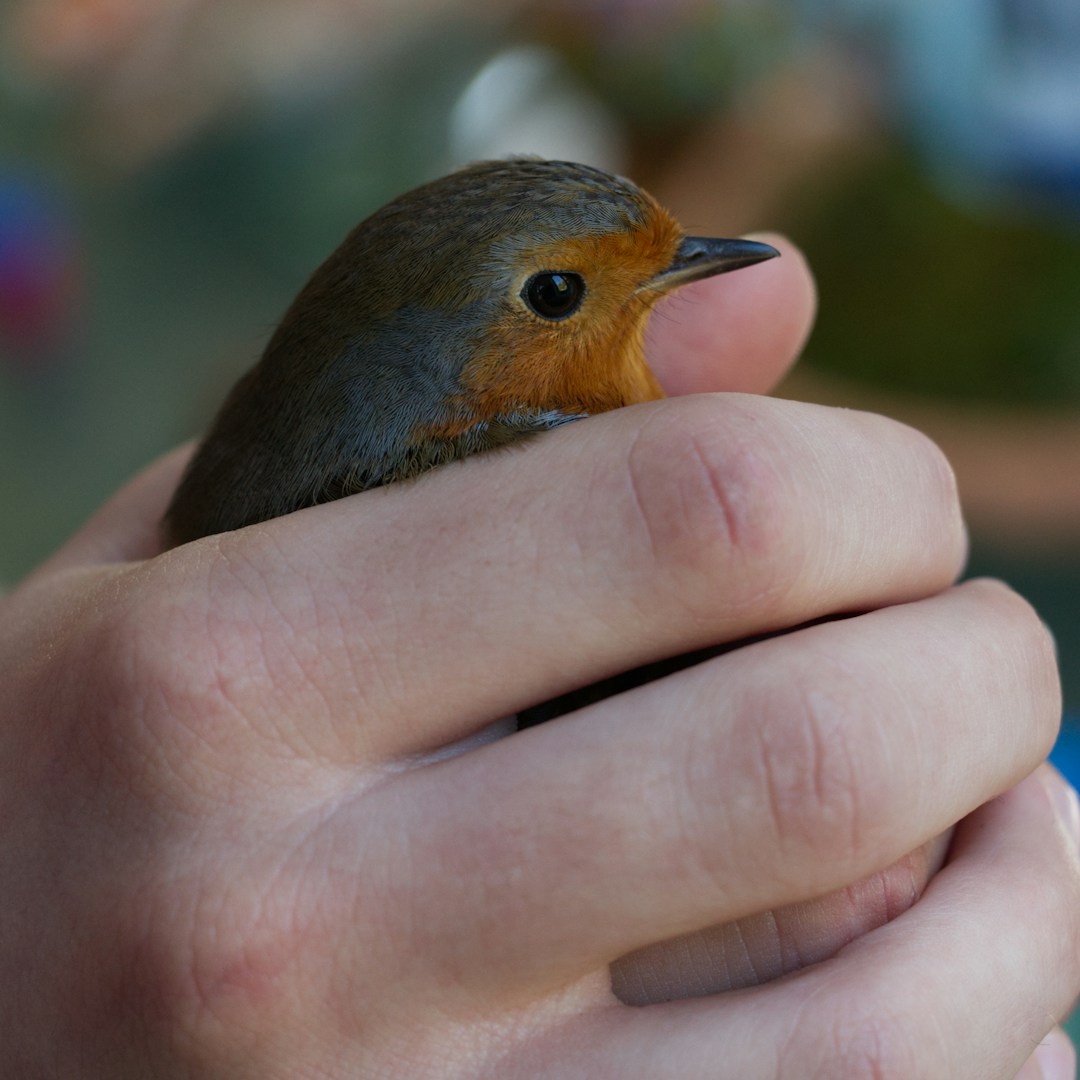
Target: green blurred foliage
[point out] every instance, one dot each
(922, 294)
(665, 80)
(189, 261)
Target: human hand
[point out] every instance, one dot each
(254, 827)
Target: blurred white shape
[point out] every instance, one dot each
(526, 101)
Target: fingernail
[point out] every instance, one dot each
(1066, 804)
(1055, 1057)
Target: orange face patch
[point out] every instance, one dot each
(593, 360)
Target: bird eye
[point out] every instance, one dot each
(554, 295)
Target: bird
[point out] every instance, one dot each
(488, 306)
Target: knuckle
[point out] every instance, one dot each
(200, 969)
(163, 647)
(707, 503)
(799, 776)
(804, 749)
(168, 667)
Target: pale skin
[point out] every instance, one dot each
(234, 844)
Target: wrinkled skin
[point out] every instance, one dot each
(257, 821)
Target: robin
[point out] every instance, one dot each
(501, 301)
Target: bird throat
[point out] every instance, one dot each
(568, 373)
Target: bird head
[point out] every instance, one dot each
(571, 275)
(520, 284)
(502, 298)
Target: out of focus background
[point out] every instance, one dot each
(172, 170)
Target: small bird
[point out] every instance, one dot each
(497, 302)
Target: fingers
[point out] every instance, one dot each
(965, 985)
(396, 615)
(737, 331)
(762, 947)
(773, 774)
(126, 527)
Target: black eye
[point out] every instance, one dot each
(554, 295)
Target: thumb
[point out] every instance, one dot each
(734, 332)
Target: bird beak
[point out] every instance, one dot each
(703, 256)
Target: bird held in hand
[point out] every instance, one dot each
(497, 302)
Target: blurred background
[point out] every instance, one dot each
(172, 170)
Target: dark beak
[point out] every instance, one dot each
(703, 256)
